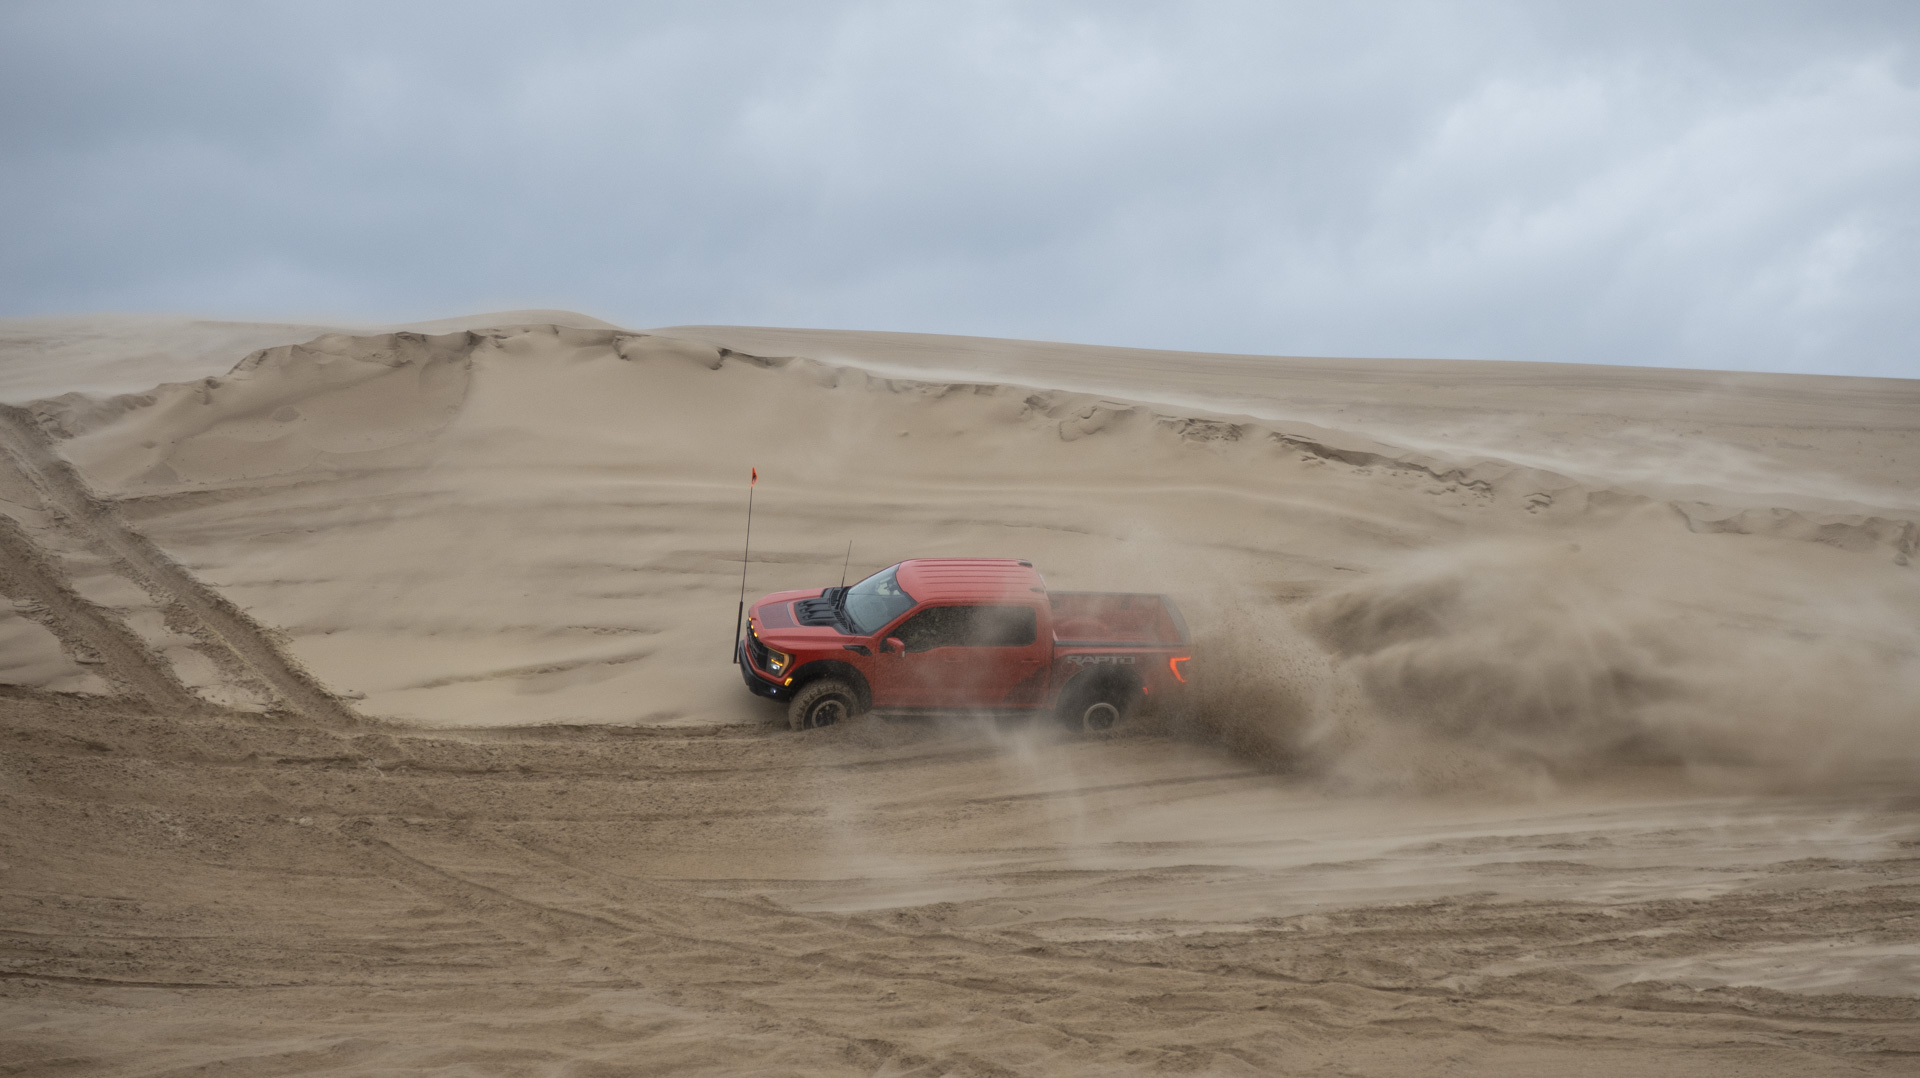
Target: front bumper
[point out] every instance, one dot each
(757, 684)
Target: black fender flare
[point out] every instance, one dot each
(820, 668)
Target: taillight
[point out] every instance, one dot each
(1175, 664)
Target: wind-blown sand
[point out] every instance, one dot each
(373, 711)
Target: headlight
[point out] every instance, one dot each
(777, 661)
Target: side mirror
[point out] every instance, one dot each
(894, 645)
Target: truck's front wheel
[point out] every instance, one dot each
(823, 703)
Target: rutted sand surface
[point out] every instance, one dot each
(189, 893)
(1577, 742)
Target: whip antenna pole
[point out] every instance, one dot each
(739, 612)
(844, 564)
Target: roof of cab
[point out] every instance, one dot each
(970, 579)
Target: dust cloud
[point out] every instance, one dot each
(1512, 665)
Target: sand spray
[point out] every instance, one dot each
(1510, 664)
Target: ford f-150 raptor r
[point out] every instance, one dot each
(972, 634)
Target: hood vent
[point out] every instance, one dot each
(818, 611)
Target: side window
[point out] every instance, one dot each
(1002, 627)
(970, 626)
(935, 627)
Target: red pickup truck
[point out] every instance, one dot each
(973, 634)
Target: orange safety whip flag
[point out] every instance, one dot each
(740, 611)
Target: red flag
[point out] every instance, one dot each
(756, 478)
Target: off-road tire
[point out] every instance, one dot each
(1097, 707)
(823, 703)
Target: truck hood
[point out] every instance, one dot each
(774, 621)
(780, 597)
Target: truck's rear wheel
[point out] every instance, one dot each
(1099, 715)
(823, 703)
(1097, 707)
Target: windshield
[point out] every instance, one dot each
(876, 600)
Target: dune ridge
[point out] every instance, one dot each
(1662, 428)
(1078, 414)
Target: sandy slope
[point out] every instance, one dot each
(1552, 719)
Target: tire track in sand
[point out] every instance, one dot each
(87, 631)
(641, 929)
(217, 620)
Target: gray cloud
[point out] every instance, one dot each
(1707, 184)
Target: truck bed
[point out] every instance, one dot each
(1116, 619)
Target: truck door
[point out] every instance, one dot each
(972, 656)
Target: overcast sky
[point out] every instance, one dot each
(1727, 185)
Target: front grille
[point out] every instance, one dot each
(755, 649)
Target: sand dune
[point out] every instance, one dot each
(109, 354)
(1551, 718)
